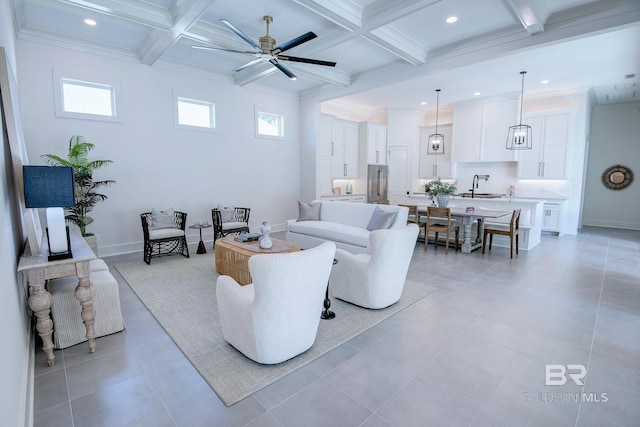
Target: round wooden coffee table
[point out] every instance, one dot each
(232, 257)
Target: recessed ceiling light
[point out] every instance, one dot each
(544, 82)
(89, 21)
(452, 19)
(423, 103)
(476, 93)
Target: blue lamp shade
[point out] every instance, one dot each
(48, 186)
(51, 187)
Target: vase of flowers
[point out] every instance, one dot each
(442, 191)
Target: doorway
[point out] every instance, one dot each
(399, 174)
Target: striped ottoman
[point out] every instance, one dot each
(68, 328)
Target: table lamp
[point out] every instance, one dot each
(51, 187)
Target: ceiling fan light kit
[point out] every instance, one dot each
(519, 137)
(267, 51)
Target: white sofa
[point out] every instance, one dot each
(343, 223)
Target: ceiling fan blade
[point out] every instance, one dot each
(223, 49)
(248, 64)
(283, 69)
(306, 60)
(294, 42)
(240, 34)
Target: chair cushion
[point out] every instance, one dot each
(165, 233)
(233, 225)
(162, 219)
(381, 219)
(309, 211)
(497, 226)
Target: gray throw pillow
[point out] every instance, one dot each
(381, 219)
(162, 219)
(309, 211)
(226, 213)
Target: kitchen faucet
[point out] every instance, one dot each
(474, 183)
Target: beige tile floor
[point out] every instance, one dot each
(471, 354)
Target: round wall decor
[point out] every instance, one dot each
(617, 177)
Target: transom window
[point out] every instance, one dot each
(81, 99)
(196, 113)
(88, 98)
(270, 124)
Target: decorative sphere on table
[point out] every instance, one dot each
(265, 240)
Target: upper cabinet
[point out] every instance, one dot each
(550, 141)
(338, 142)
(435, 165)
(344, 135)
(373, 143)
(480, 132)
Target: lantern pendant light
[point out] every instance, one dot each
(519, 137)
(436, 140)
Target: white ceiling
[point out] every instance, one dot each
(389, 53)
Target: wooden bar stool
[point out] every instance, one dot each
(512, 230)
(439, 215)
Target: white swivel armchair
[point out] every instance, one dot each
(276, 317)
(375, 279)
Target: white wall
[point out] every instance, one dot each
(156, 165)
(16, 362)
(614, 140)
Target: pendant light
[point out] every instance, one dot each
(436, 140)
(519, 137)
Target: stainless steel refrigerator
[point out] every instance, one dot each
(377, 183)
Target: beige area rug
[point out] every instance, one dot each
(181, 294)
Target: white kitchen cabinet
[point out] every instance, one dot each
(337, 151)
(550, 141)
(373, 142)
(344, 139)
(480, 131)
(435, 165)
(552, 217)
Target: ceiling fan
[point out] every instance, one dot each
(267, 50)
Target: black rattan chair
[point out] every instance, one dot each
(164, 241)
(239, 223)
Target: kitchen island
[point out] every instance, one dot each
(531, 217)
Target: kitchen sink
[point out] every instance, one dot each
(481, 195)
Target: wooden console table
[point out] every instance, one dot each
(39, 270)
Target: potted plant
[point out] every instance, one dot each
(441, 191)
(87, 195)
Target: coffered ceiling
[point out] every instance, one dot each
(389, 53)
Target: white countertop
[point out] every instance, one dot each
(537, 198)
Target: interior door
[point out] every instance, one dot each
(399, 174)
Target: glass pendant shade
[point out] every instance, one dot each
(436, 140)
(519, 137)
